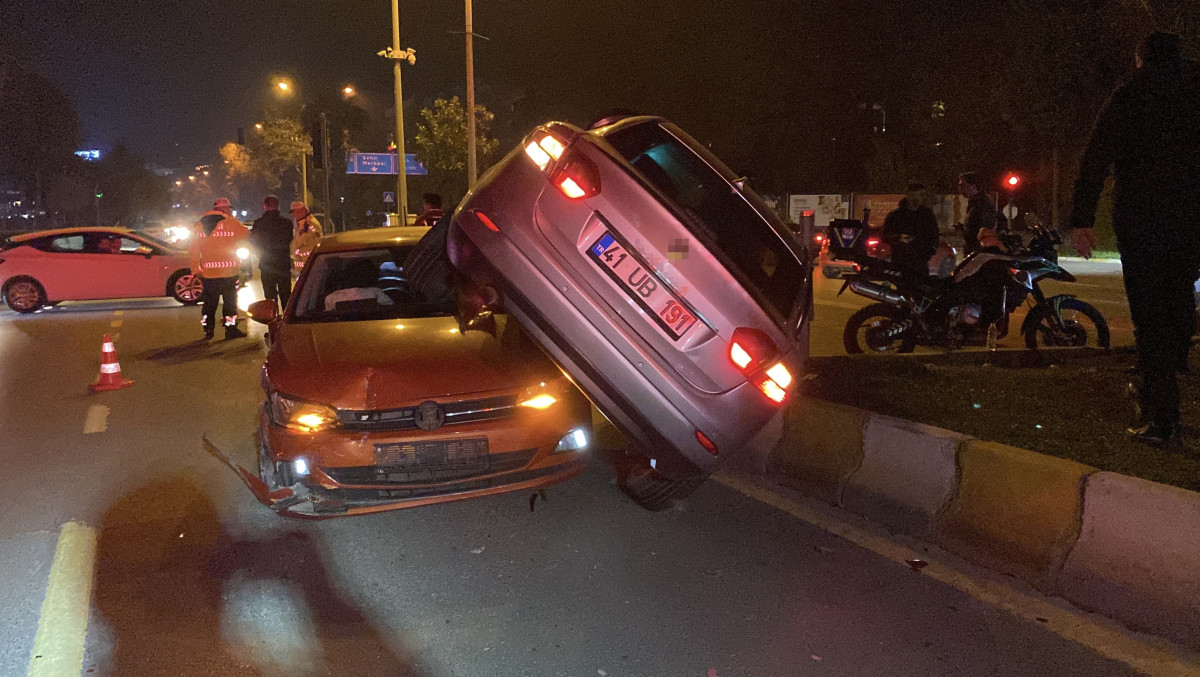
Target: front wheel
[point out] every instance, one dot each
(24, 294)
(878, 328)
(1066, 322)
(651, 489)
(185, 288)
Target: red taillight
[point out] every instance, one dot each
(483, 218)
(706, 443)
(576, 176)
(753, 353)
(872, 242)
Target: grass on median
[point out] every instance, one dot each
(1075, 405)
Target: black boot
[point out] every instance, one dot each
(1156, 434)
(232, 332)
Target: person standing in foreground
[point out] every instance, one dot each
(980, 211)
(911, 230)
(1149, 133)
(306, 233)
(213, 255)
(271, 240)
(433, 211)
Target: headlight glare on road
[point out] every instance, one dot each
(300, 415)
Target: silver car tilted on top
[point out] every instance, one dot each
(664, 286)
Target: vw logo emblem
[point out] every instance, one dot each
(429, 416)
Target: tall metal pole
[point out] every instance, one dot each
(304, 177)
(472, 169)
(401, 178)
(325, 171)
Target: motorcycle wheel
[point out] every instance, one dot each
(1075, 332)
(868, 331)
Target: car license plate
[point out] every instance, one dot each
(670, 313)
(432, 454)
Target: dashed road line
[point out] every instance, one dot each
(96, 420)
(118, 312)
(62, 628)
(1149, 656)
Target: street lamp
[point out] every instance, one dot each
(397, 55)
(348, 91)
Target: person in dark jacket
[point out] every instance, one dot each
(432, 212)
(1149, 134)
(911, 230)
(271, 238)
(981, 213)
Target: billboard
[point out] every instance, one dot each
(825, 208)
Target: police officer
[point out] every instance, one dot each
(1149, 133)
(216, 238)
(271, 238)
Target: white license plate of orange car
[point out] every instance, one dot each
(432, 454)
(668, 311)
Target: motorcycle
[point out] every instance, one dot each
(973, 305)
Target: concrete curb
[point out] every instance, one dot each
(1138, 556)
(1123, 547)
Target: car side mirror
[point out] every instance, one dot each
(144, 251)
(263, 311)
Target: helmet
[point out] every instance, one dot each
(222, 203)
(297, 205)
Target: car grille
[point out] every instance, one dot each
(435, 472)
(465, 411)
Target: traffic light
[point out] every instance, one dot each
(1012, 181)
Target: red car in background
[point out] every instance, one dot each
(75, 264)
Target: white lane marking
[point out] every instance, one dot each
(62, 628)
(115, 324)
(96, 420)
(1151, 656)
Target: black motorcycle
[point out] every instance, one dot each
(971, 307)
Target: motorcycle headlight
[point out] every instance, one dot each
(300, 415)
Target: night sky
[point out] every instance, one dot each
(174, 80)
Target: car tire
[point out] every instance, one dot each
(185, 287)
(24, 294)
(651, 489)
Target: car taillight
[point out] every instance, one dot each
(486, 221)
(753, 353)
(576, 176)
(872, 242)
(708, 444)
(543, 150)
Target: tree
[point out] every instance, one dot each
(130, 191)
(274, 150)
(442, 136)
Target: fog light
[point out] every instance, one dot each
(300, 466)
(573, 441)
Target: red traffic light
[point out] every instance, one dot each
(1012, 181)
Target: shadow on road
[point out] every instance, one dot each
(203, 350)
(181, 595)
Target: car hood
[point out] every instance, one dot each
(396, 363)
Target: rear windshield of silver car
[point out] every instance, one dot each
(721, 216)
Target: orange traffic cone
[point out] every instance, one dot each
(110, 370)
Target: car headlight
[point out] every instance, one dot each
(300, 415)
(537, 397)
(243, 253)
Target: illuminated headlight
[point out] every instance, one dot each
(573, 441)
(300, 467)
(537, 398)
(300, 415)
(243, 253)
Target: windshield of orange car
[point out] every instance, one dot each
(362, 284)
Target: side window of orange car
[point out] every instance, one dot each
(68, 244)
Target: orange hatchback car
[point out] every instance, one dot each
(376, 400)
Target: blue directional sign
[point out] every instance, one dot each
(383, 164)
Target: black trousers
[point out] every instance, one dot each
(277, 286)
(221, 290)
(1163, 308)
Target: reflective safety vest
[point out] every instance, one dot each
(216, 238)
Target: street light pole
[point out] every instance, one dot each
(325, 172)
(401, 178)
(472, 168)
(304, 177)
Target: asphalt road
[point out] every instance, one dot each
(169, 567)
